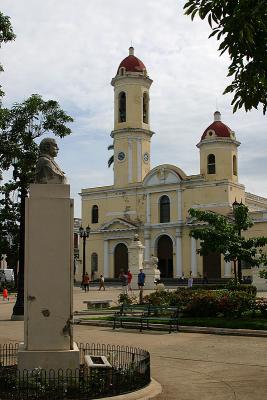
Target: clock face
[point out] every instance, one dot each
(121, 156)
(146, 157)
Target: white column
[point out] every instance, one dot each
(130, 161)
(106, 259)
(148, 209)
(179, 259)
(194, 256)
(227, 269)
(147, 246)
(179, 205)
(139, 160)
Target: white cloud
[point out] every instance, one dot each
(69, 50)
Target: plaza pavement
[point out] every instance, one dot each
(189, 366)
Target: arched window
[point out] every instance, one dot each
(94, 262)
(164, 209)
(234, 166)
(211, 164)
(95, 214)
(145, 108)
(122, 107)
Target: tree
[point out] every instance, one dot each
(6, 35)
(223, 234)
(241, 25)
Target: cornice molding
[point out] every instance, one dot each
(132, 130)
(218, 140)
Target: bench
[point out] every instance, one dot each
(146, 314)
(161, 315)
(97, 304)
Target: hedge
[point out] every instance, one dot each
(206, 303)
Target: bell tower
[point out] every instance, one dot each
(131, 134)
(218, 152)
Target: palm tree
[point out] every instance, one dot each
(111, 159)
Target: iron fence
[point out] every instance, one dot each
(129, 371)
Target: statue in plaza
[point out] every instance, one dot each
(47, 170)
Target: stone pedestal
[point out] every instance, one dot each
(48, 339)
(260, 283)
(136, 256)
(149, 270)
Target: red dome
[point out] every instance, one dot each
(132, 63)
(220, 129)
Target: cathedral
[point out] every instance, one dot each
(154, 203)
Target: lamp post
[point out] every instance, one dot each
(84, 234)
(236, 205)
(18, 309)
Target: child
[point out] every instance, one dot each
(5, 294)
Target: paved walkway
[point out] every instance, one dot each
(189, 366)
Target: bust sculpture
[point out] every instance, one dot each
(47, 170)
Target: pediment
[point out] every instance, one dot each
(118, 224)
(163, 175)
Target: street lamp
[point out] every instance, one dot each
(18, 309)
(236, 206)
(84, 234)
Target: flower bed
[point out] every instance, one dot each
(208, 303)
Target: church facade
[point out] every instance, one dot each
(154, 202)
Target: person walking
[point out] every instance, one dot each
(124, 281)
(129, 279)
(141, 277)
(101, 282)
(86, 281)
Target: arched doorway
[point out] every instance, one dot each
(212, 265)
(165, 256)
(120, 259)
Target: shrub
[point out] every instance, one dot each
(161, 297)
(124, 298)
(10, 286)
(206, 303)
(241, 287)
(202, 304)
(261, 305)
(235, 303)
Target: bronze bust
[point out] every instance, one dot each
(47, 170)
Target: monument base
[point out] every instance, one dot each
(150, 278)
(48, 359)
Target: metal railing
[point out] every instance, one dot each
(129, 371)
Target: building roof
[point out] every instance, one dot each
(132, 63)
(218, 127)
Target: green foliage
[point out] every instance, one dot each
(158, 298)
(10, 286)
(241, 26)
(219, 233)
(125, 298)
(250, 289)
(207, 303)
(263, 273)
(261, 305)
(234, 303)
(6, 35)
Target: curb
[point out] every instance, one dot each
(147, 393)
(186, 329)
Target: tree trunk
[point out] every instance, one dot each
(235, 272)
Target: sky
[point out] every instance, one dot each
(70, 50)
